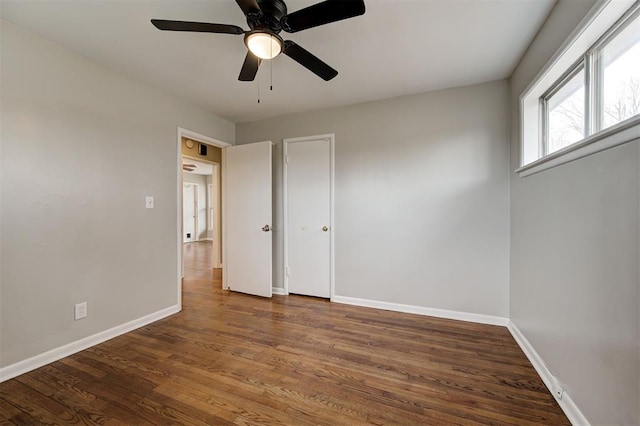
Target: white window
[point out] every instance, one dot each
(619, 68)
(564, 112)
(588, 99)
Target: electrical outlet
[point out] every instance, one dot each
(557, 390)
(80, 310)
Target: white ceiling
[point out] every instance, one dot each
(397, 47)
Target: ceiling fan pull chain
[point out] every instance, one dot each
(258, 88)
(271, 67)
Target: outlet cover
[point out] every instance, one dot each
(557, 390)
(80, 310)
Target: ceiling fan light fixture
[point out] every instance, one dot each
(264, 44)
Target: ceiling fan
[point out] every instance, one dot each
(266, 19)
(188, 167)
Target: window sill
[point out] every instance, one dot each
(621, 133)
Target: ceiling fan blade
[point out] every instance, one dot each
(249, 7)
(249, 67)
(198, 27)
(309, 61)
(322, 13)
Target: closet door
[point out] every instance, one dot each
(308, 216)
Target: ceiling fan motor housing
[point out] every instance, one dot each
(272, 12)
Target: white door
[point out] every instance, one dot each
(308, 216)
(248, 219)
(189, 212)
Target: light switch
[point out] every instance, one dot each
(149, 202)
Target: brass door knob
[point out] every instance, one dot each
(325, 229)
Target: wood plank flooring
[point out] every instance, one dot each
(229, 358)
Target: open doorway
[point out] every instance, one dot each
(201, 200)
(200, 168)
(190, 208)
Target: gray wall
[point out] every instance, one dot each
(81, 147)
(574, 257)
(421, 196)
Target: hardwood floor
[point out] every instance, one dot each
(229, 358)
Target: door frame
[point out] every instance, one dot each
(216, 193)
(186, 133)
(285, 202)
(196, 200)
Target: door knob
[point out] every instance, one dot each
(266, 228)
(325, 229)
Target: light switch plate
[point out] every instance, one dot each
(149, 202)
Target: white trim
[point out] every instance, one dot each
(566, 403)
(186, 133)
(332, 237)
(217, 217)
(331, 138)
(223, 188)
(200, 138)
(210, 208)
(624, 132)
(278, 290)
(21, 367)
(285, 220)
(421, 310)
(180, 183)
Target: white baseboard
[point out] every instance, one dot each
(420, 310)
(566, 403)
(278, 290)
(21, 367)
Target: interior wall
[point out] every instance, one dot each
(421, 188)
(201, 180)
(574, 257)
(76, 168)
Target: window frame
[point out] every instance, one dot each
(591, 63)
(596, 57)
(602, 25)
(574, 70)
